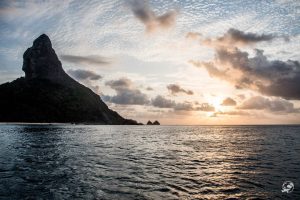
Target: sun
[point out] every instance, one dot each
(217, 103)
(211, 114)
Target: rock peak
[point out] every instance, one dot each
(42, 41)
(48, 94)
(41, 61)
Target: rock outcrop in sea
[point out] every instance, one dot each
(149, 123)
(48, 94)
(154, 123)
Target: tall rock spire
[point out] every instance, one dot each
(41, 61)
(48, 94)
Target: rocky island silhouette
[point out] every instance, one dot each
(47, 94)
(153, 123)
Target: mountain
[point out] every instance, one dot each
(48, 94)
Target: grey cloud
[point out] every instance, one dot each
(185, 106)
(286, 87)
(80, 74)
(228, 102)
(128, 96)
(273, 78)
(120, 83)
(235, 38)
(126, 93)
(175, 88)
(161, 102)
(269, 77)
(275, 105)
(149, 88)
(249, 37)
(89, 60)
(86, 77)
(143, 12)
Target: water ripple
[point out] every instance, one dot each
(141, 162)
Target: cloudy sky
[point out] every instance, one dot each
(177, 61)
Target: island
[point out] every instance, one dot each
(47, 94)
(154, 123)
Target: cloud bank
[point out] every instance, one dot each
(127, 94)
(269, 77)
(161, 102)
(273, 105)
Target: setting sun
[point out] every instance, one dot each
(216, 102)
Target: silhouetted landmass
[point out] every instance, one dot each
(48, 94)
(154, 123)
(149, 123)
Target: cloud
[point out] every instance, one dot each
(269, 77)
(205, 107)
(119, 84)
(273, 105)
(88, 60)
(149, 88)
(143, 12)
(80, 74)
(228, 102)
(238, 112)
(128, 97)
(212, 70)
(175, 88)
(233, 38)
(161, 102)
(87, 78)
(185, 106)
(126, 93)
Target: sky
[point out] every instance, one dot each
(187, 62)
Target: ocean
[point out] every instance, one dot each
(148, 162)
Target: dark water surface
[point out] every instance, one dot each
(148, 162)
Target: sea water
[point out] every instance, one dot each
(148, 162)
